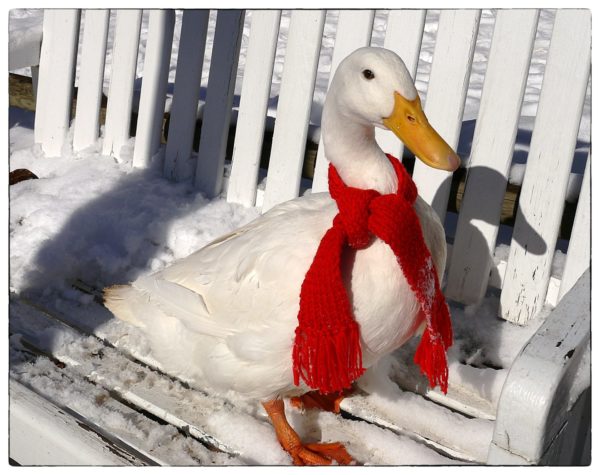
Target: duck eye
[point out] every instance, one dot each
(368, 74)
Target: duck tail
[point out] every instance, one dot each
(120, 300)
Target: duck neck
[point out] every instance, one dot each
(352, 149)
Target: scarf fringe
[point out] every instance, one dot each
(328, 359)
(431, 358)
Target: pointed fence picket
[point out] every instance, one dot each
(548, 166)
(446, 93)
(250, 129)
(219, 99)
(354, 31)
(491, 154)
(91, 79)
(122, 77)
(293, 110)
(184, 109)
(403, 35)
(154, 86)
(57, 68)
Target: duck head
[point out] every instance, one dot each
(373, 88)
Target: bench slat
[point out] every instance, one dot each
(578, 256)
(403, 35)
(548, 165)
(354, 29)
(91, 79)
(491, 154)
(409, 413)
(121, 426)
(190, 58)
(216, 117)
(43, 434)
(446, 94)
(154, 86)
(293, 109)
(258, 72)
(122, 77)
(57, 71)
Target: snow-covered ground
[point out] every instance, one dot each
(91, 218)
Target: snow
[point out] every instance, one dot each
(88, 217)
(24, 32)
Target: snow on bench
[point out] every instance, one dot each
(73, 365)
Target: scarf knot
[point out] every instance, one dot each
(327, 353)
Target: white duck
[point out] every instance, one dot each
(225, 316)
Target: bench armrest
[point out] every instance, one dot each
(543, 412)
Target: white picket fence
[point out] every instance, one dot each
(525, 278)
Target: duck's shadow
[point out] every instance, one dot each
(110, 240)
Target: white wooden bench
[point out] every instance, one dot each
(535, 410)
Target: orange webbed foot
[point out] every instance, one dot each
(334, 451)
(326, 402)
(304, 454)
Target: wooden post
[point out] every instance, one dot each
(57, 72)
(250, 129)
(578, 257)
(192, 43)
(91, 79)
(154, 86)
(293, 110)
(122, 76)
(217, 111)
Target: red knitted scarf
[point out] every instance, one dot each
(327, 353)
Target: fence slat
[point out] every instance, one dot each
(250, 129)
(403, 35)
(154, 86)
(91, 79)
(217, 111)
(578, 256)
(354, 31)
(293, 110)
(122, 77)
(446, 93)
(57, 70)
(548, 166)
(192, 43)
(491, 154)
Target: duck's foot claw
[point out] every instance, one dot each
(321, 454)
(326, 402)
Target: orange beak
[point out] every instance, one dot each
(409, 124)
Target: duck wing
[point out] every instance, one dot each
(244, 281)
